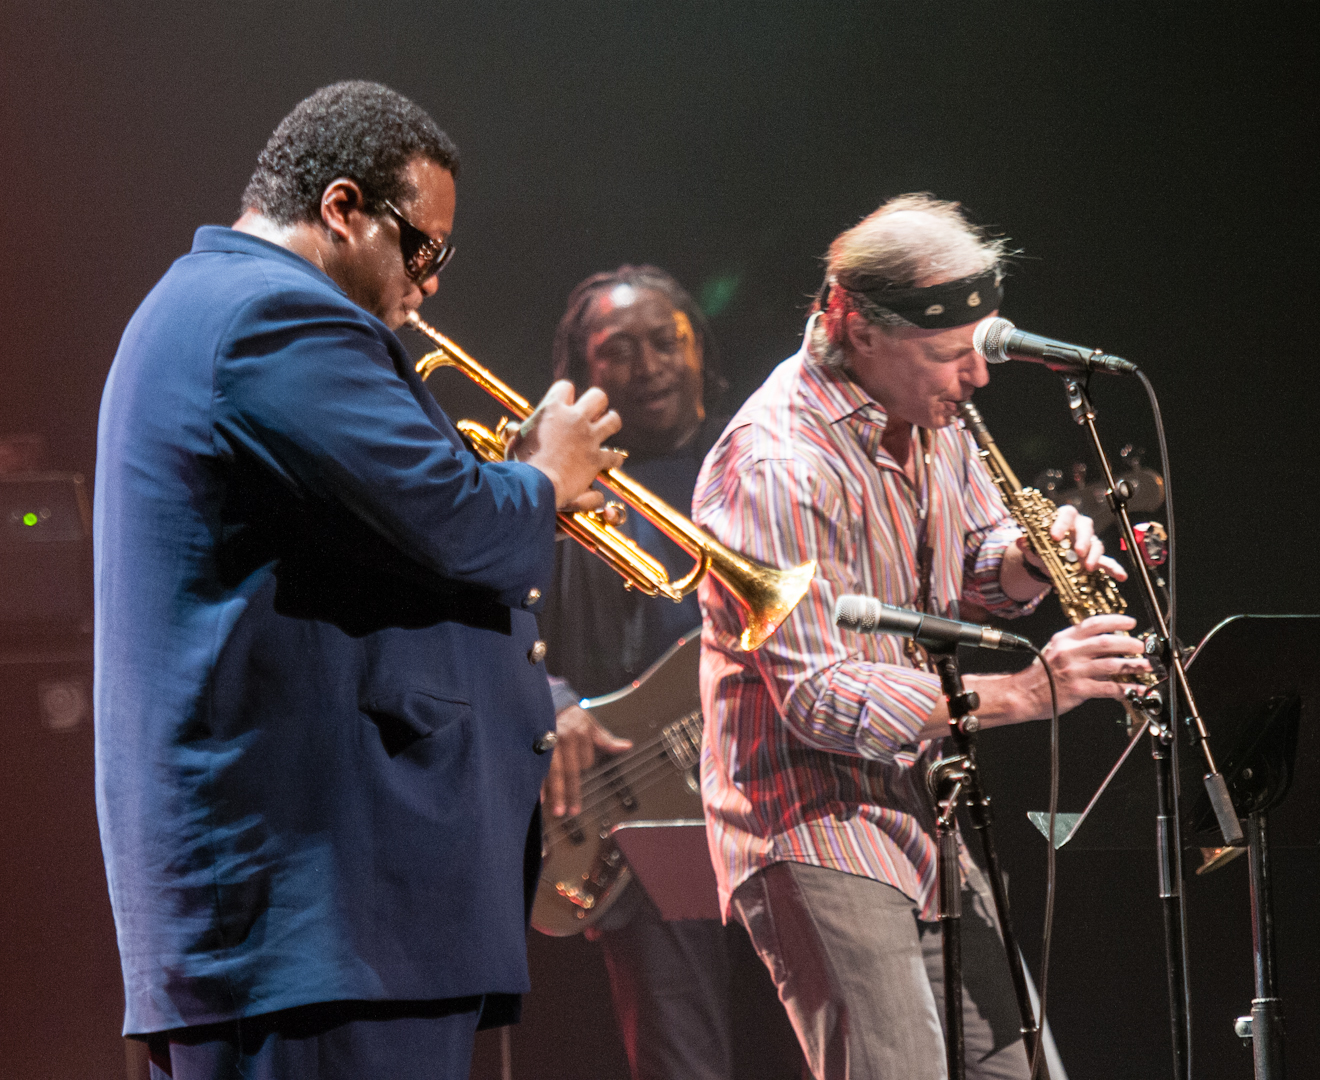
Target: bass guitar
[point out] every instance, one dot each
(582, 870)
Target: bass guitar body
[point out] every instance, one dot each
(582, 871)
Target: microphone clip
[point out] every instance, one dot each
(963, 706)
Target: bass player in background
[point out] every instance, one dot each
(638, 335)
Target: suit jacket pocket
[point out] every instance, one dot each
(405, 715)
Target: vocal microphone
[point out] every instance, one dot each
(999, 340)
(866, 615)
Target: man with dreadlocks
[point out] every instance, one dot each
(638, 335)
(816, 748)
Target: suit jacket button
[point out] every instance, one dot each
(536, 653)
(533, 595)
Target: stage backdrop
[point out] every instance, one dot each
(1148, 163)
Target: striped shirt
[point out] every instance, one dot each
(811, 751)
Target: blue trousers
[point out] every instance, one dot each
(348, 1040)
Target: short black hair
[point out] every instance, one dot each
(356, 130)
(570, 348)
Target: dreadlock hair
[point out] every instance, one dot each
(353, 130)
(570, 347)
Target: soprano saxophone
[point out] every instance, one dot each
(1081, 592)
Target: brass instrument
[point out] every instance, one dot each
(767, 594)
(1081, 592)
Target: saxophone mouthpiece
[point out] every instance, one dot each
(972, 418)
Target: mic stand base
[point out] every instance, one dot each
(1266, 1030)
(1169, 853)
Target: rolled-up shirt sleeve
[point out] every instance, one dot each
(848, 696)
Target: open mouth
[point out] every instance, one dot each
(654, 402)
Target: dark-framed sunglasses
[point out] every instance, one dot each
(423, 256)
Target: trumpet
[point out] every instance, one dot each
(765, 593)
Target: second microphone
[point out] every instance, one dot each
(867, 615)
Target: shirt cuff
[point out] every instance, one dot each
(561, 694)
(895, 713)
(981, 583)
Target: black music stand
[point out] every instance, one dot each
(1259, 681)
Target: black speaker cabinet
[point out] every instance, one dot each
(45, 557)
(59, 967)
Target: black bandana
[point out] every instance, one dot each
(954, 303)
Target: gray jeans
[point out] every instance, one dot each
(862, 978)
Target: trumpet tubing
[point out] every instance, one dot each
(588, 528)
(766, 593)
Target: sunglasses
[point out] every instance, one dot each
(423, 256)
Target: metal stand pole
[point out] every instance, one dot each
(978, 804)
(950, 779)
(950, 915)
(1117, 493)
(1169, 853)
(1267, 1006)
(1164, 750)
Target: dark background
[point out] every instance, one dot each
(1148, 161)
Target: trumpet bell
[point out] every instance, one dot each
(767, 594)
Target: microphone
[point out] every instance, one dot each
(999, 340)
(866, 615)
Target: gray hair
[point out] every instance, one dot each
(910, 241)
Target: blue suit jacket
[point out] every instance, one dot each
(314, 705)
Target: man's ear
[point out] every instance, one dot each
(338, 202)
(859, 332)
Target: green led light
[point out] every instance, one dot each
(718, 292)
(29, 518)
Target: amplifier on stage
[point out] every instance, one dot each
(45, 557)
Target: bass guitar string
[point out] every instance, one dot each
(649, 758)
(609, 771)
(657, 768)
(634, 770)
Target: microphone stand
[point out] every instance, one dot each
(950, 780)
(1164, 750)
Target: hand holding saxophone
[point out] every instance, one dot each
(563, 439)
(1088, 549)
(1085, 658)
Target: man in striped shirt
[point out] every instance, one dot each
(813, 769)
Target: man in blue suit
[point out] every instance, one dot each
(318, 685)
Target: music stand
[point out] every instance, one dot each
(1259, 680)
(672, 861)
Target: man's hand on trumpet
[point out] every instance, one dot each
(563, 439)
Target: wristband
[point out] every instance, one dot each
(1035, 572)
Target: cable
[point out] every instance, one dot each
(1172, 694)
(1051, 860)
(1172, 617)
